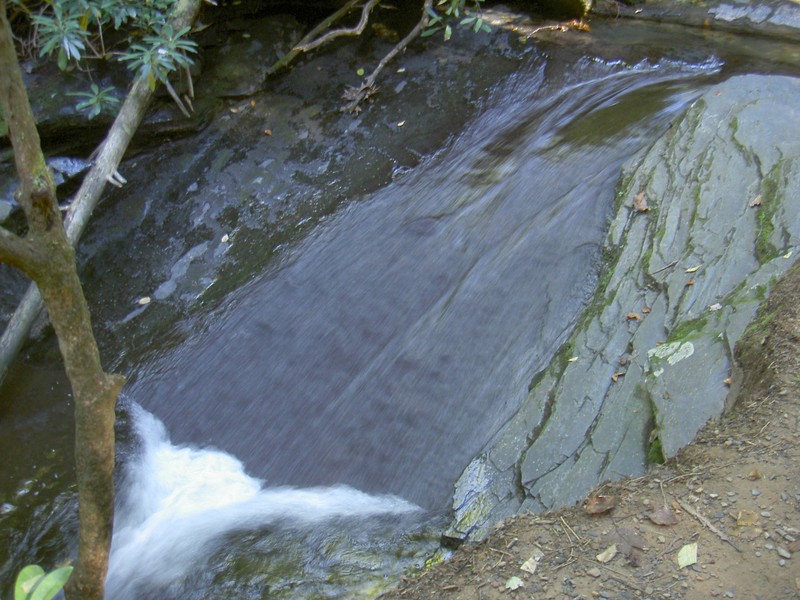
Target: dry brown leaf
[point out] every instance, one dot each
(268, 132)
(645, 310)
(746, 518)
(690, 282)
(596, 505)
(663, 515)
(632, 316)
(676, 507)
(755, 202)
(615, 377)
(754, 474)
(640, 203)
(727, 381)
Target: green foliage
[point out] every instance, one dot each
(34, 584)
(77, 31)
(96, 101)
(447, 11)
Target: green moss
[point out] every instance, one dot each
(771, 199)
(688, 330)
(655, 454)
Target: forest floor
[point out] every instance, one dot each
(732, 497)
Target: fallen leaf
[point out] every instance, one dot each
(615, 377)
(715, 307)
(693, 269)
(234, 110)
(690, 282)
(596, 505)
(268, 132)
(727, 381)
(514, 583)
(676, 507)
(755, 202)
(360, 72)
(401, 123)
(663, 515)
(529, 566)
(645, 310)
(144, 300)
(754, 474)
(572, 359)
(607, 555)
(687, 556)
(746, 518)
(632, 316)
(225, 238)
(252, 103)
(640, 203)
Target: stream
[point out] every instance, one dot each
(297, 413)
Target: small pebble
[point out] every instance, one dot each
(784, 552)
(758, 553)
(769, 546)
(593, 572)
(729, 594)
(755, 492)
(765, 513)
(782, 562)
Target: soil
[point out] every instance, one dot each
(734, 493)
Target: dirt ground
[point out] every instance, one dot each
(734, 495)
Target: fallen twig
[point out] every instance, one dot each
(707, 524)
(367, 88)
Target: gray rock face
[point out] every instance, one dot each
(779, 18)
(648, 366)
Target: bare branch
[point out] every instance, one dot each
(331, 35)
(19, 252)
(359, 94)
(311, 35)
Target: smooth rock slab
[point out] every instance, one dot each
(693, 269)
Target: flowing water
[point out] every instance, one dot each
(302, 437)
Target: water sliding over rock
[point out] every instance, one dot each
(707, 221)
(380, 344)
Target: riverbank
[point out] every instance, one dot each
(733, 494)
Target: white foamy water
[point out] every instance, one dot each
(178, 500)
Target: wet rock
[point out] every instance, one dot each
(780, 18)
(699, 261)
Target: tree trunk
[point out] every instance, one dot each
(46, 255)
(108, 158)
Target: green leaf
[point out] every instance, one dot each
(51, 584)
(62, 59)
(27, 580)
(478, 24)
(448, 33)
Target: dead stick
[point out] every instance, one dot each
(708, 524)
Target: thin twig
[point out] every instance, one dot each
(359, 94)
(311, 35)
(353, 31)
(665, 267)
(707, 524)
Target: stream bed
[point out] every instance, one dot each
(338, 325)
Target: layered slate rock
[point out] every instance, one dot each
(649, 363)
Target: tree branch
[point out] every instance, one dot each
(310, 36)
(19, 252)
(112, 149)
(367, 89)
(331, 35)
